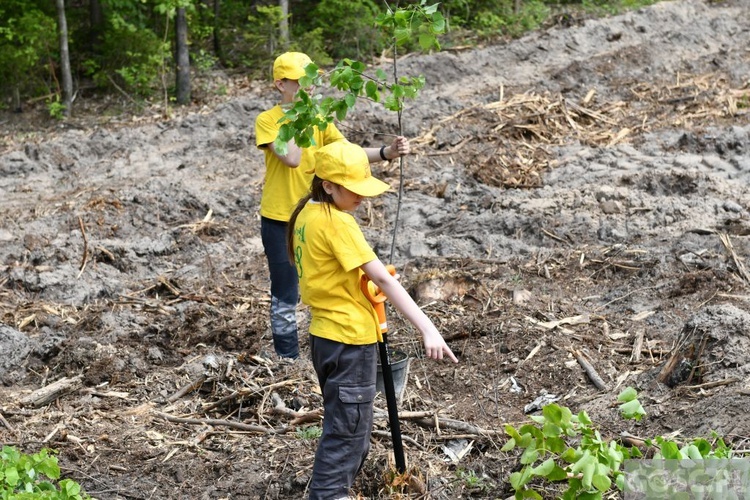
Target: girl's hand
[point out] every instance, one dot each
(435, 346)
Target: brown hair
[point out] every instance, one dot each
(317, 193)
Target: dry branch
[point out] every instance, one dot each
(85, 257)
(6, 423)
(638, 346)
(220, 423)
(187, 388)
(280, 408)
(737, 262)
(590, 371)
(50, 393)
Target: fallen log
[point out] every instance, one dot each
(50, 393)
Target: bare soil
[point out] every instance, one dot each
(574, 191)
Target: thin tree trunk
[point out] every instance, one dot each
(216, 35)
(67, 79)
(183, 58)
(284, 25)
(96, 22)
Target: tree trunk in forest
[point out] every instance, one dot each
(183, 57)
(67, 79)
(96, 22)
(284, 25)
(216, 37)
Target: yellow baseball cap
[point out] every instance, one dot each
(290, 65)
(346, 164)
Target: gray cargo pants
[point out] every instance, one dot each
(347, 380)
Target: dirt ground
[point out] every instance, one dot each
(577, 191)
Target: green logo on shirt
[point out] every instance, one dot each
(300, 234)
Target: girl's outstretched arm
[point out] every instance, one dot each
(434, 344)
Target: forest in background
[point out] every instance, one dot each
(57, 52)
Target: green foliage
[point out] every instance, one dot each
(348, 28)
(470, 479)
(609, 7)
(56, 109)
(27, 43)
(559, 446)
(309, 432)
(423, 22)
(350, 77)
(27, 477)
(258, 43)
(630, 407)
(138, 61)
(131, 47)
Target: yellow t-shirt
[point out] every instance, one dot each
(329, 248)
(284, 186)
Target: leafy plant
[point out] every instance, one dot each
(308, 433)
(559, 446)
(349, 76)
(22, 477)
(56, 109)
(470, 479)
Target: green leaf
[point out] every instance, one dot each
(670, 451)
(11, 476)
(519, 479)
(632, 409)
(380, 74)
(431, 9)
(588, 473)
(512, 432)
(601, 480)
(392, 104)
(551, 430)
(529, 456)
(350, 99)
(402, 35)
(438, 23)
(557, 474)
(628, 394)
(553, 413)
(286, 133)
(544, 468)
(531, 494)
(583, 418)
(371, 91)
(556, 445)
(427, 41)
(692, 452)
(341, 111)
(311, 71)
(704, 447)
(509, 445)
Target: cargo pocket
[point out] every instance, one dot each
(354, 414)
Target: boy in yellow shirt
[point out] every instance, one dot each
(286, 181)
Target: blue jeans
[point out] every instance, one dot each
(284, 288)
(346, 374)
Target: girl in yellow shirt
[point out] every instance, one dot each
(330, 254)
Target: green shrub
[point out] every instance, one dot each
(27, 477)
(562, 447)
(349, 28)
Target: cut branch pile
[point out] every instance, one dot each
(510, 146)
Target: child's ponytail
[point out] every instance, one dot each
(317, 193)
